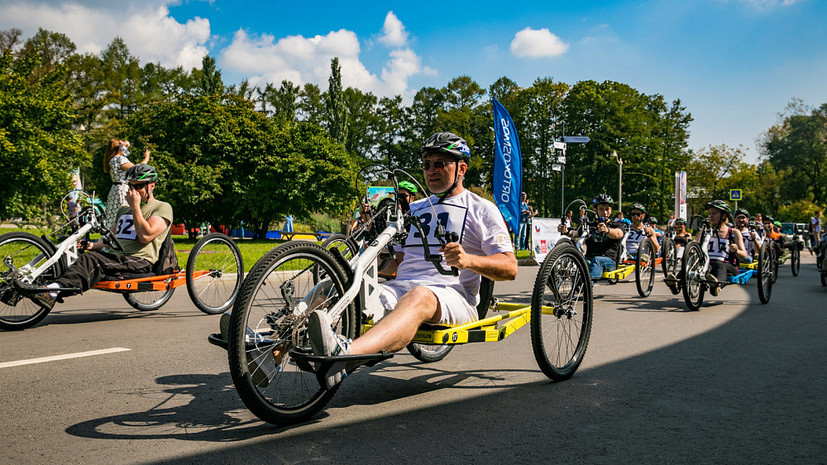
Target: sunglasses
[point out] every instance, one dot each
(138, 187)
(438, 165)
(635, 214)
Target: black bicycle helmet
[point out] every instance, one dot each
(638, 206)
(602, 198)
(720, 205)
(142, 173)
(680, 220)
(741, 211)
(448, 143)
(652, 220)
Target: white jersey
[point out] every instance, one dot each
(636, 236)
(816, 224)
(752, 241)
(481, 231)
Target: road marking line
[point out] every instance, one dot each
(63, 357)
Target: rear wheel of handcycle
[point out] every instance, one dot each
(765, 266)
(215, 271)
(269, 319)
(345, 245)
(18, 249)
(669, 252)
(147, 301)
(692, 282)
(561, 312)
(645, 268)
(795, 259)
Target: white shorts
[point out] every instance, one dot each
(455, 308)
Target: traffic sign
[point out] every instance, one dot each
(735, 194)
(576, 139)
(560, 145)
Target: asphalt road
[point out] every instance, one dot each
(736, 382)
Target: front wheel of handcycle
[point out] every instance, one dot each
(429, 353)
(645, 269)
(147, 301)
(777, 252)
(795, 259)
(269, 319)
(561, 312)
(215, 271)
(765, 266)
(692, 281)
(23, 252)
(669, 252)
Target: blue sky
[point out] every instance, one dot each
(734, 64)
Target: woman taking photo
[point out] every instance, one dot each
(116, 162)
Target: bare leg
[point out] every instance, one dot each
(394, 331)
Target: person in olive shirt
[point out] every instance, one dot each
(141, 227)
(604, 243)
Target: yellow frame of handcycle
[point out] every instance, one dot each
(485, 330)
(620, 273)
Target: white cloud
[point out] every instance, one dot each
(537, 43)
(393, 32)
(148, 30)
(301, 60)
(768, 4)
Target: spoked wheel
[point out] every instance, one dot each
(343, 243)
(215, 271)
(23, 252)
(795, 259)
(669, 252)
(269, 319)
(561, 312)
(765, 266)
(428, 352)
(645, 268)
(692, 282)
(148, 300)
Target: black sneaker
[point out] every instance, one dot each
(37, 294)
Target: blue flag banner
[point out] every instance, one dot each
(508, 167)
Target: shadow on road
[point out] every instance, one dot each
(749, 391)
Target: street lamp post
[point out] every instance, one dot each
(619, 180)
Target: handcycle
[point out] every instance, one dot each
(821, 258)
(695, 265)
(281, 381)
(213, 274)
(642, 264)
(788, 250)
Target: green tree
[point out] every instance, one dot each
(709, 171)
(209, 77)
(335, 104)
(37, 144)
(799, 143)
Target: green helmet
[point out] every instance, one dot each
(140, 172)
(409, 186)
(777, 223)
(741, 211)
(638, 206)
(720, 205)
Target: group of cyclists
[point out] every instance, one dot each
(480, 248)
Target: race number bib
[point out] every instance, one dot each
(634, 240)
(125, 229)
(451, 217)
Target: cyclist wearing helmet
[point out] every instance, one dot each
(682, 236)
(726, 246)
(603, 245)
(638, 231)
(141, 227)
(770, 230)
(653, 223)
(752, 241)
(419, 293)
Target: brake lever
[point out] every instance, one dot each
(444, 238)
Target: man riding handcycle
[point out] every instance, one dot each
(307, 317)
(135, 258)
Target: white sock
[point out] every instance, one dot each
(53, 295)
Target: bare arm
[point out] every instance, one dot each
(498, 267)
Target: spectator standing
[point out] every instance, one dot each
(815, 230)
(116, 162)
(526, 213)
